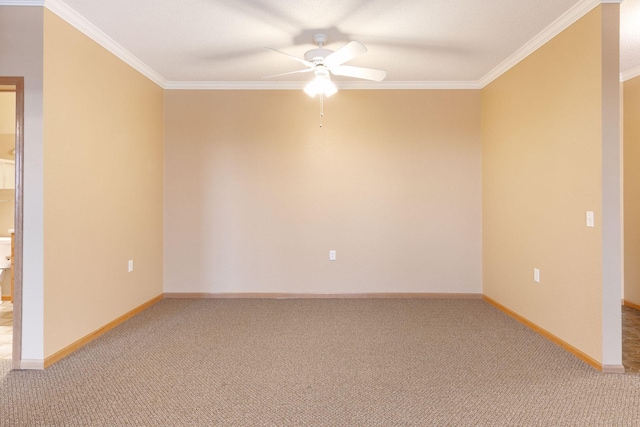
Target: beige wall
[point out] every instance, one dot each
(103, 186)
(256, 193)
(542, 133)
(632, 190)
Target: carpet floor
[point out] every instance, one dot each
(319, 362)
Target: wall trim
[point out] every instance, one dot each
(299, 85)
(285, 295)
(35, 364)
(22, 3)
(630, 74)
(613, 369)
(61, 354)
(555, 28)
(548, 335)
(87, 28)
(630, 304)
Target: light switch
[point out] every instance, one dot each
(590, 219)
(536, 275)
(332, 255)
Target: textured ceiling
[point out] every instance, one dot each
(414, 40)
(629, 35)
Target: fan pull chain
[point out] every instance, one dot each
(321, 108)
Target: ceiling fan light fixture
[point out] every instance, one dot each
(321, 83)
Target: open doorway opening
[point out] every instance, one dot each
(7, 207)
(11, 155)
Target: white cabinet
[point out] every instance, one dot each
(7, 174)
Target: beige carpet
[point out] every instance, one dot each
(345, 362)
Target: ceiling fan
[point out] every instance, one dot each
(324, 62)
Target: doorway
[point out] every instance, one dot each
(11, 200)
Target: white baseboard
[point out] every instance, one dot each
(35, 364)
(613, 369)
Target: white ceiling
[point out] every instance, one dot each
(465, 41)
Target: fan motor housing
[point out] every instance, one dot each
(317, 55)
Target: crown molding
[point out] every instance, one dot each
(299, 85)
(559, 25)
(87, 28)
(408, 85)
(84, 26)
(233, 85)
(630, 74)
(22, 3)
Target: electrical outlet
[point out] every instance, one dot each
(332, 255)
(590, 219)
(130, 266)
(536, 275)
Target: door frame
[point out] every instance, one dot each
(16, 354)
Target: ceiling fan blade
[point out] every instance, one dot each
(306, 70)
(303, 61)
(344, 54)
(359, 72)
